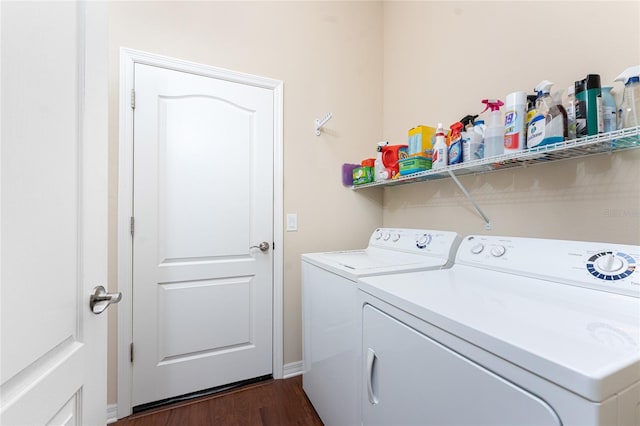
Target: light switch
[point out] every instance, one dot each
(292, 222)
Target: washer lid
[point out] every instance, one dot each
(372, 261)
(584, 340)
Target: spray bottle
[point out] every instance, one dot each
(379, 169)
(470, 140)
(549, 125)
(494, 131)
(439, 159)
(629, 111)
(455, 143)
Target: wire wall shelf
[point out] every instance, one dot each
(615, 141)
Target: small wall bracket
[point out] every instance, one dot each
(320, 123)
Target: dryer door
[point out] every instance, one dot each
(411, 379)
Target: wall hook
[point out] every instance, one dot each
(320, 123)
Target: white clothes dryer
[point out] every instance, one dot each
(331, 314)
(518, 332)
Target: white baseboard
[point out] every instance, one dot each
(293, 369)
(112, 413)
(290, 370)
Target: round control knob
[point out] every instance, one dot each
(377, 235)
(386, 236)
(423, 240)
(477, 249)
(609, 263)
(395, 237)
(498, 251)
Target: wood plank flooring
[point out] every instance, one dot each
(273, 402)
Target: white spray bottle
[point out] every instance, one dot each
(629, 111)
(494, 130)
(380, 173)
(549, 125)
(440, 152)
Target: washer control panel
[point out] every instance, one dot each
(602, 266)
(422, 241)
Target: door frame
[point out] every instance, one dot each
(128, 59)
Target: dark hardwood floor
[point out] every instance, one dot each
(273, 402)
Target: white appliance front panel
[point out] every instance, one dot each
(414, 380)
(331, 350)
(584, 340)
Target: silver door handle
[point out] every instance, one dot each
(100, 299)
(371, 392)
(263, 246)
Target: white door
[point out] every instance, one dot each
(54, 213)
(203, 195)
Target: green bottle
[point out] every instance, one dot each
(589, 120)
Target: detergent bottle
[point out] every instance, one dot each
(629, 111)
(549, 125)
(439, 159)
(494, 130)
(455, 143)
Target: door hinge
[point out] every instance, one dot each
(133, 225)
(131, 352)
(133, 99)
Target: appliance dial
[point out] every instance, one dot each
(423, 240)
(386, 236)
(378, 234)
(498, 251)
(395, 237)
(477, 249)
(609, 263)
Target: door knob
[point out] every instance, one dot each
(263, 246)
(100, 299)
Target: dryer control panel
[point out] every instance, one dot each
(603, 266)
(418, 241)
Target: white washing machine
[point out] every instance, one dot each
(331, 314)
(518, 332)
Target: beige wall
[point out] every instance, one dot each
(329, 56)
(442, 58)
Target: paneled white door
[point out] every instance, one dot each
(54, 213)
(203, 196)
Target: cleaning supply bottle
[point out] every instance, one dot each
(380, 173)
(570, 107)
(609, 112)
(629, 112)
(470, 141)
(439, 159)
(455, 143)
(478, 130)
(549, 125)
(588, 106)
(494, 131)
(514, 122)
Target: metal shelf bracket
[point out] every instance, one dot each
(487, 221)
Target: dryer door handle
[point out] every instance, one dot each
(371, 361)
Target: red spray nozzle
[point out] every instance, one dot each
(492, 104)
(456, 128)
